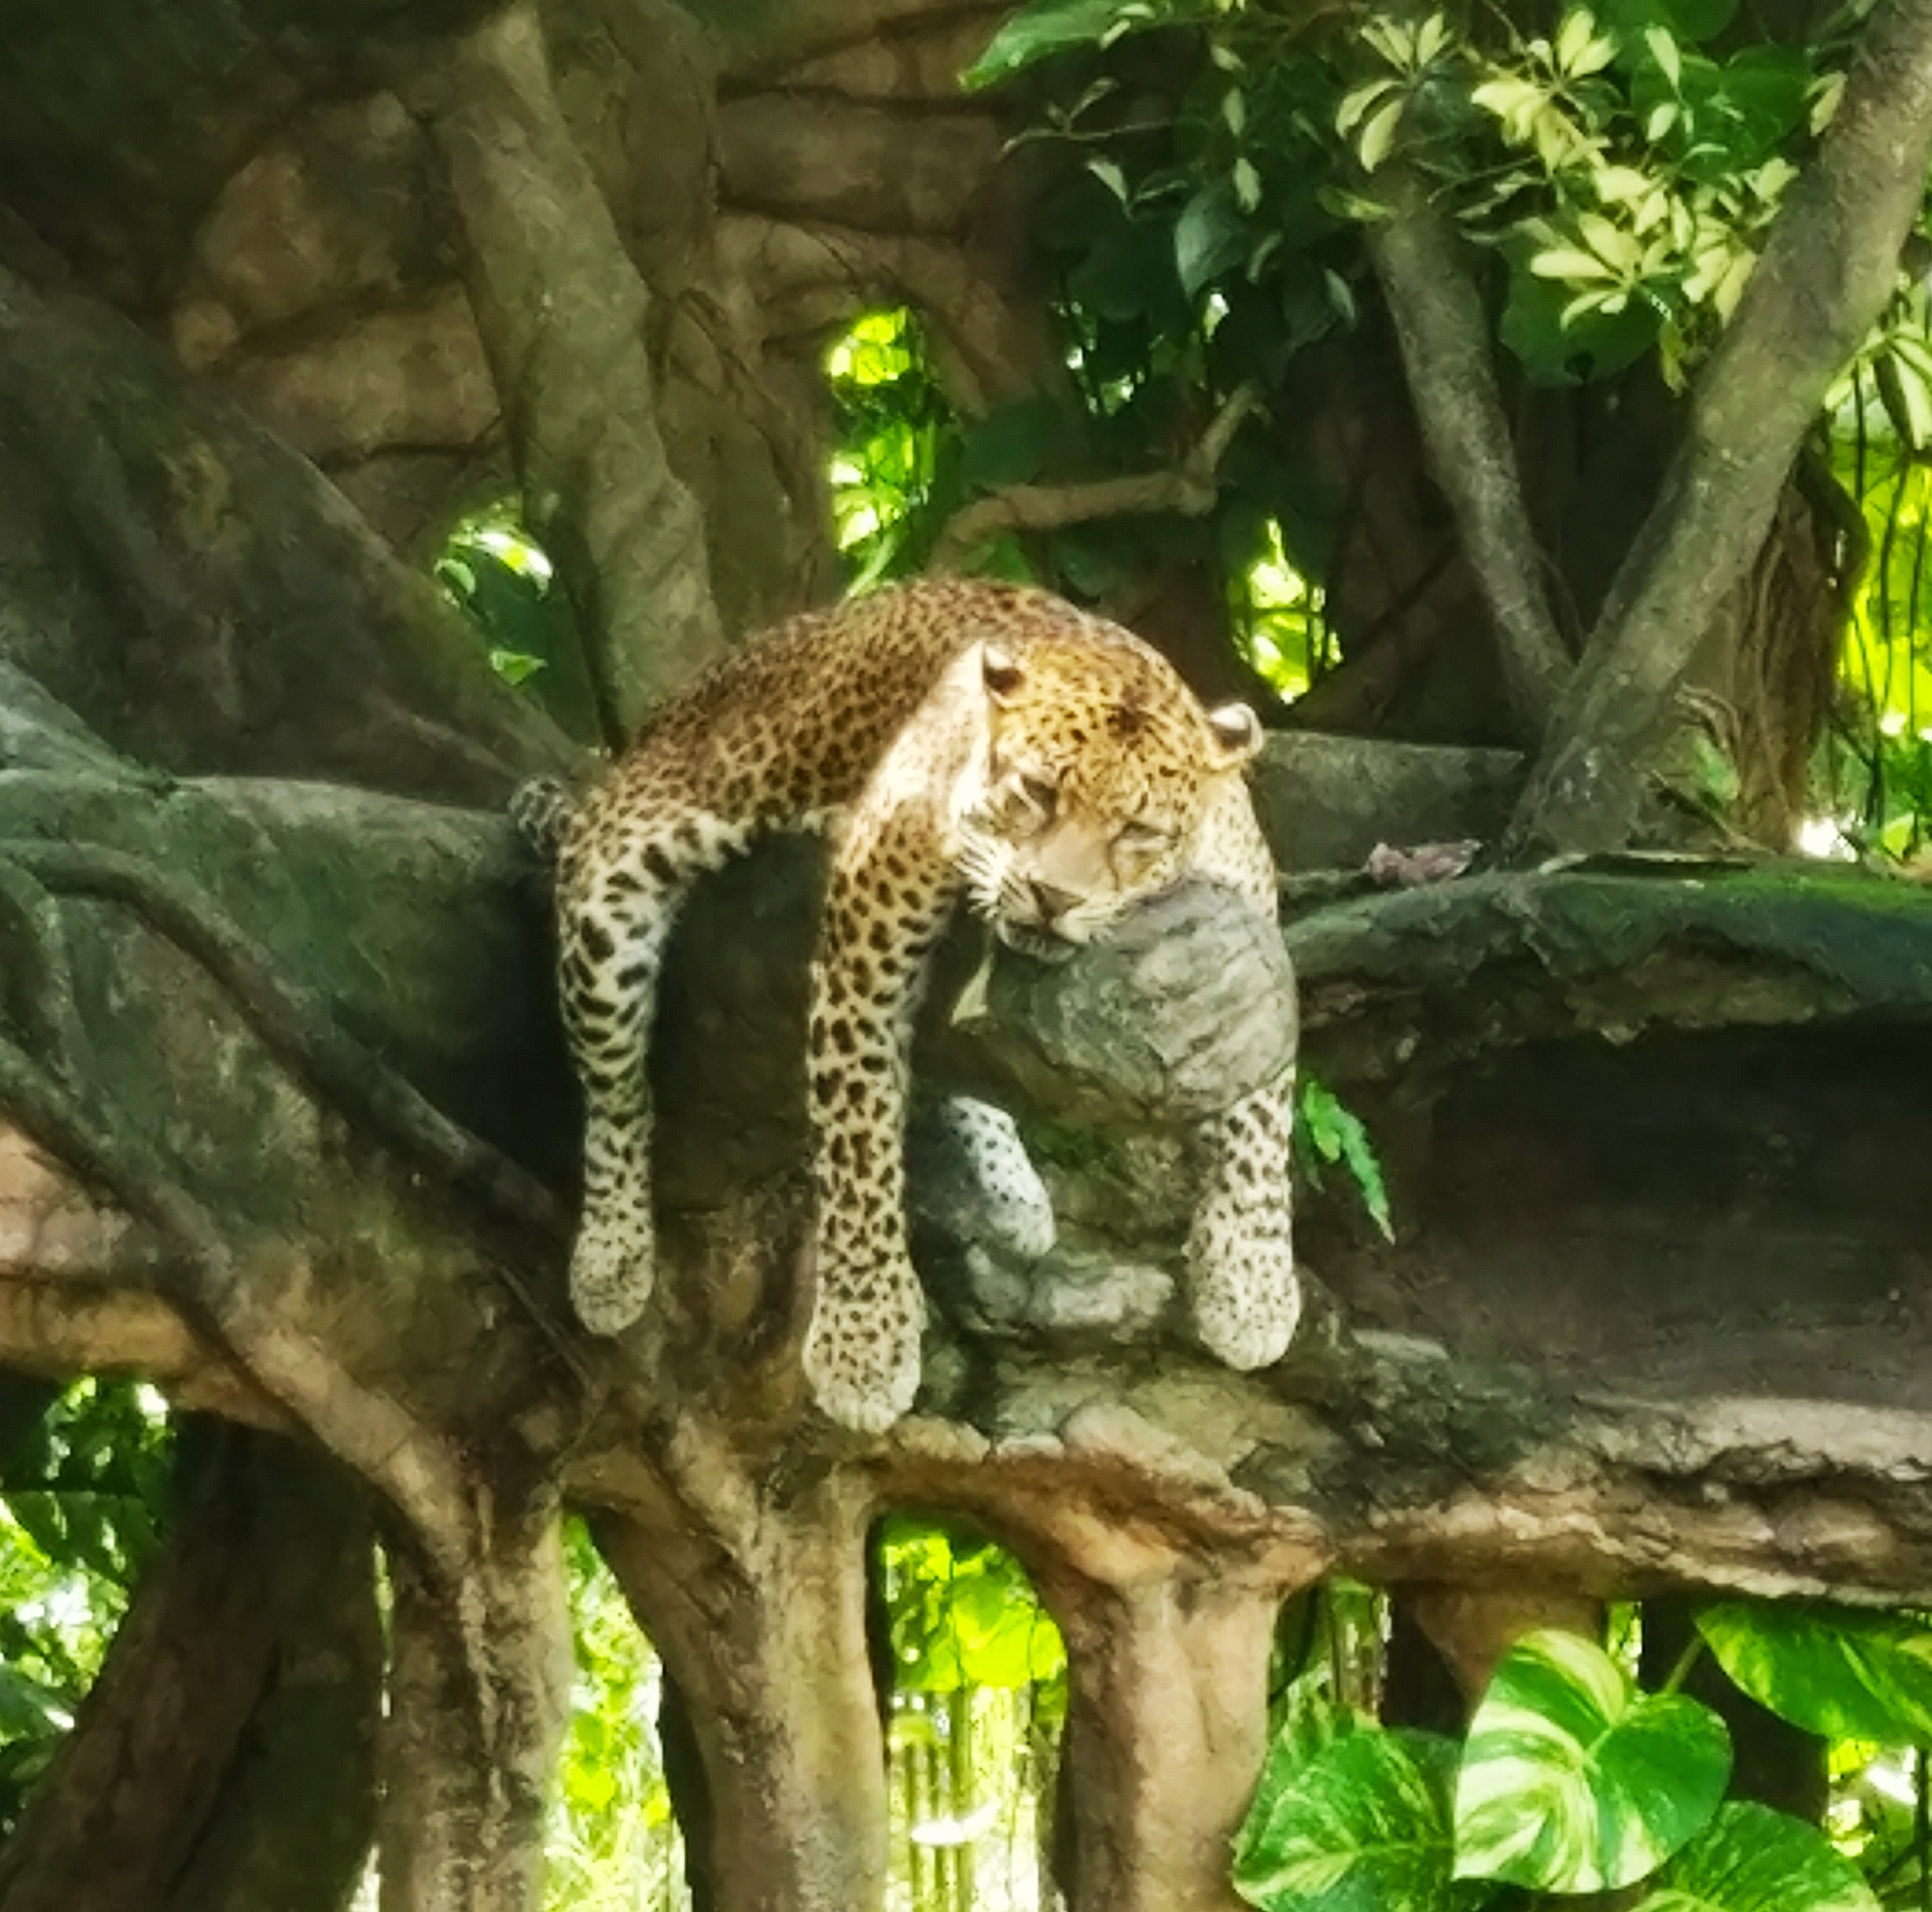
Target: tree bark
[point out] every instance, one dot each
(1167, 1727)
(767, 1645)
(478, 1698)
(225, 1757)
(1444, 336)
(565, 316)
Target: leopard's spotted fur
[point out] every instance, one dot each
(971, 742)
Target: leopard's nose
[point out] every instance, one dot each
(1051, 901)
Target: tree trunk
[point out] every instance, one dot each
(1166, 1730)
(225, 1759)
(769, 1649)
(478, 1698)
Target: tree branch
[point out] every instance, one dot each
(1189, 490)
(1444, 338)
(1823, 279)
(564, 317)
(298, 1024)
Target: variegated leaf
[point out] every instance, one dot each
(1572, 1780)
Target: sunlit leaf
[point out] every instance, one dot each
(1568, 262)
(1355, 104)
(1751, 1858)
(1379, 136)
(1834, 1671)
(1664, 51)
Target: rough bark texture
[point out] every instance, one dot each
(1440, 319)
(1166, 1725)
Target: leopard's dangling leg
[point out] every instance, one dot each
(890, 896)
(619, 889)
(1242, 1288)
(1243, 1293)
(612, 949)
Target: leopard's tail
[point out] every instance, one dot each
(542, 810)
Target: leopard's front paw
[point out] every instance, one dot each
(862, 1350)
(1245, 1297)
(610, 1274)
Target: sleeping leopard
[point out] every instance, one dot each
(963, 743)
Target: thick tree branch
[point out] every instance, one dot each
(565, 320)
(1829, 266)
(1444, 336)
(296, 1023)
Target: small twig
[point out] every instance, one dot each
(1189, 490)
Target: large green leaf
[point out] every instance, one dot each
(1052, 26)
(1572, 1780)
(1361, 1826)
(1312, 1719)
(1843, 1674)
(1751, 1858)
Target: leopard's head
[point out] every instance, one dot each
(1097, 769)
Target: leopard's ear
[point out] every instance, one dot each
(1237, 735)
(1001, 670)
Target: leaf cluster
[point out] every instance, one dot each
(962, 1612)
(1572, 1779)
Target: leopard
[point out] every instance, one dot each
(965, 744)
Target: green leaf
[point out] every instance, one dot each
(1842, 1674)
(1362, 1825)
(1592, 346)
(1052, 26)
(1907, 398)
(1572, 1780)
(1568, 262)
(1664, 51)
(1009, 445)
(1349, 114)
(1379, 136)
(1208, 236)
(1312, 1719)
(1334, 1132)
(1691, 22)
(1580, 50)
(1751, 1858)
